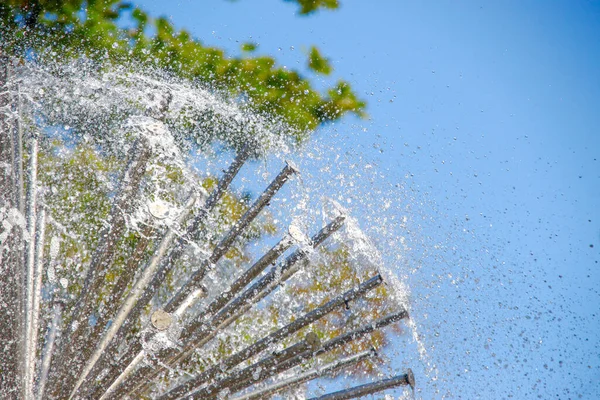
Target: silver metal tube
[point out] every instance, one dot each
(110, 392)
(407, 379)
(188, 293)
(332, 344)
(194, 231)
(117, 328)
(178, 303)
(36, 296)
(31, 219)
(276, 336)
(53, 330)
(310, 342)
(12, 271)
(6, 145)
(125, 277)
(268, 282)
(18, 155)
(247, 277)
(117, 371)
(305, 377)
(63, 371)
(361, 331)
(49, 349)
(166, 264)
(201, 332)
(103, 257)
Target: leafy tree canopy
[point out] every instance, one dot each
(94, 28)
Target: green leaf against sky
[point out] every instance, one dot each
(311, 6)
(318, 63)
(249, 47)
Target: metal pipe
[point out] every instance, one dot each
(276, 336)
(242, 156)
(31, 219)
(103, 257)
(188, 293)
(110, 379)
(361, 331)
(178, 303)
(12, 277)
(310, 343)
(165, 265)
(54, 327)
(6, 145)
(286, 274)
(133, 304)
(201, 332)
(341, 340)
(18, 155)
(267, 282)
(174, 357)
(125, 278)
(141, 381)
(77, 335)
(407, 379)
(49, 349)
(330, 345)
(36, 296)
(11, 258)
(117, 384)
(307, 376)
(250, 274)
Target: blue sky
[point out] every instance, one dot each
(483, 132)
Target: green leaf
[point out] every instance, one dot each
(249, 47)
(311, 6)
(318, 63)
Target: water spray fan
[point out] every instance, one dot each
(126, 347)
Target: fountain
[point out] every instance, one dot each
(124, 273)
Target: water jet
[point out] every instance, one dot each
(135, 305)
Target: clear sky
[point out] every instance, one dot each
(483, 131)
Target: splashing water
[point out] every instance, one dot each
(179, 247)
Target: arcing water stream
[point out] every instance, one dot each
(146, 266)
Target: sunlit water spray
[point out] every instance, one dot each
(383, 225)
(91, 121)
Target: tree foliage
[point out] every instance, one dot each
(72, 28)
